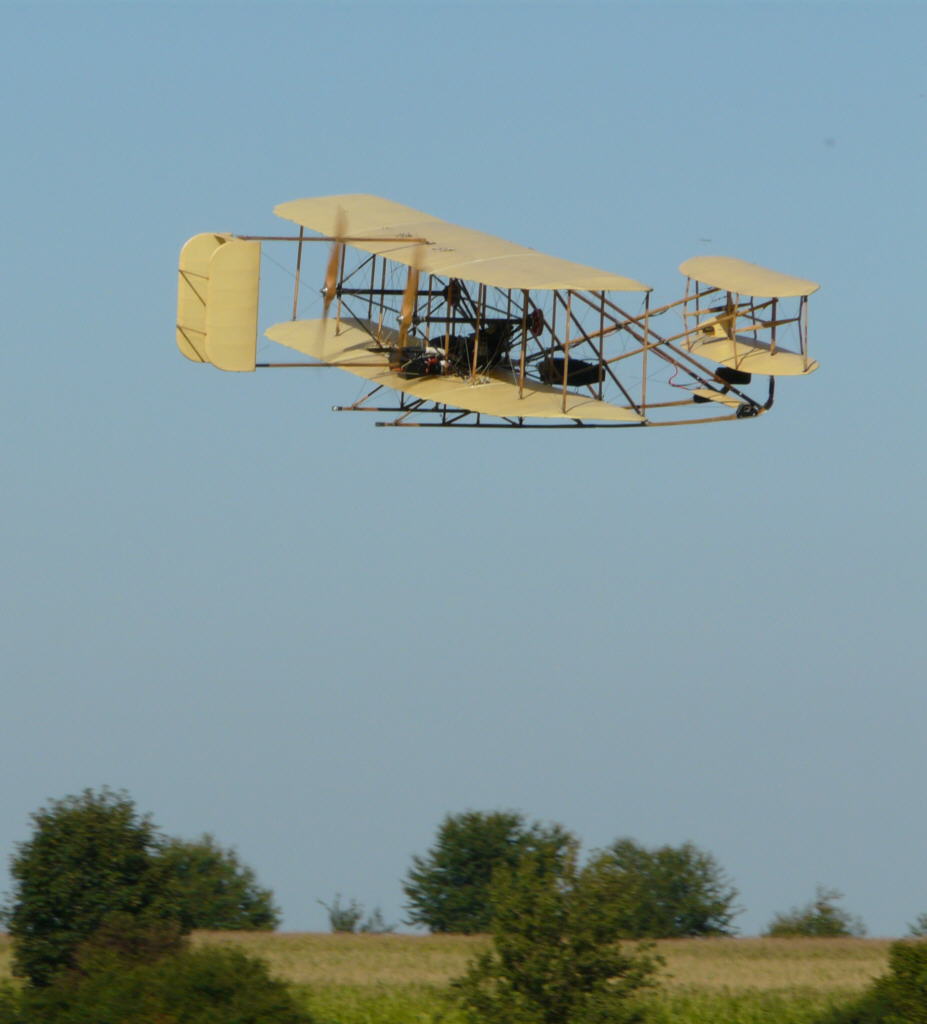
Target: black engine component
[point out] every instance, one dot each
(732, 376)
(579, 372)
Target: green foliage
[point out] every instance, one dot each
(211, 888)
(380, 1004)
(754, 1007)
(343, 917)
(192, 986)
(555, 958)
(10, 1005)
(375, 924)
(820, 918)
(918, 930)
(124, 940)
(904, 988)
(349, 917)
(666, 892)
(899, 997)
(93, 856)
(448, 889)
(90, 856)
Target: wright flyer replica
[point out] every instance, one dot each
(447, 326)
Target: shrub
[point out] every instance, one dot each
(201, 986)
(349, 917)
(343, 917)
(818, 919)
(899, 997)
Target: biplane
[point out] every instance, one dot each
(451, 327)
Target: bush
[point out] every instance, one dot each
(349, 917)
(343, 917)
(448, 889)
(899, 997)
(555, 958)
(821, 918)
(666, 892)
(200, 986)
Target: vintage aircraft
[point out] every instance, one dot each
(453, 327)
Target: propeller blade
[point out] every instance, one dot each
(410, 296)
(329, 288)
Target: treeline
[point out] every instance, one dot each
(663, 892)
(102, 904)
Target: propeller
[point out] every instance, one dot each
(330, 287)
(409, 297)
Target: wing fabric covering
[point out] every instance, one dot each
(192, 290)
(217, 301)
(733, 275)
(449, 250)
(748, 354)
(711, 337)
(350, 346)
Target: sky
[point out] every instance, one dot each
(314, 639)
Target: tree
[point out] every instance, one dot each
(666, 892)
(211, 888)
(819, 918)
(448, 889)
(89, 856)
(554, 958)
(92, 856)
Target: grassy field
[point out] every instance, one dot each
(402, 979)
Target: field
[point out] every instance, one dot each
(402, 979)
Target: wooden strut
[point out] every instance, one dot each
(299, 260)
(319, 366)
(639, 328)
(611, 319)
(331, 238)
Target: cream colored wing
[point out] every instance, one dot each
(450, 251)
(733, 275)
(348, 346)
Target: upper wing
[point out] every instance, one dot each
(349, 346)
(449, 250)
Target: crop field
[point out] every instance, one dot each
(403, 979)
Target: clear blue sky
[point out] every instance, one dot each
(313, 638)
